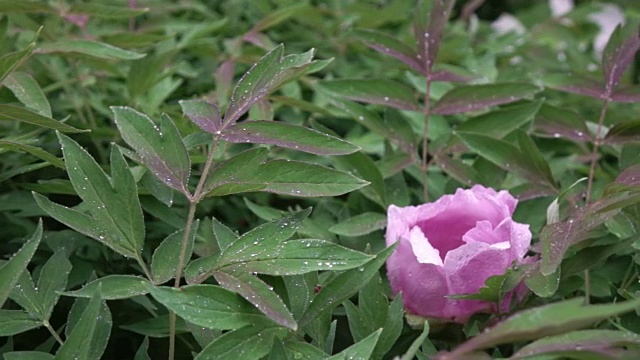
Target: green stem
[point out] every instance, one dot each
(53, 332)
(182, 259)
(594, 152)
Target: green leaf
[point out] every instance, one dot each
(258, 293)
(52, 281)
(9, 6)
(475, 97)
(270, 72)
(10, 61)
(581, 342)
(79, 341)
(289, 136)
(142, 354)
(557, 122)
(113, 287)
(623, 132)
(417, 343)
(391, 46)
(501, 122)
(343, 286)
(107, 11)
(115, 215)
(103, 323)
(15, 113)
(160, 148)
(166, 257)
(13, 322)
(374, 91)
(27, 90)
(156, 327)
(90, 48)
(35, 151)
(10, 271)
(361, 224)
(203, 114)
(360, 350)
(544, 321)
(250, 342)
(27, 355)
(247, 172)
(209, 306)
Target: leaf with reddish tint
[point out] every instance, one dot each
(160, 148)
(558, 237)
(475, 97)
(203, 114)
(458, 170)
(269, 73)
(575, 83)
(450, 73)
(630, 176)
(618, 54)
(431, 19)
(543, 321)
(628, 94)
(374, 91)
(391, 46)
(289, 136)
(258, 293)
(624, 132)
(557, 122)
(583, 343)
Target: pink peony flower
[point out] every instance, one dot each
(450, 247)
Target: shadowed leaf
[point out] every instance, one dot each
(15, 113)
(10, 271)
(203, 114)
(624, 132)
(374, 91)
(391, 46)
(618, 54)
(91, 48)
(474, 97)
(430, 21)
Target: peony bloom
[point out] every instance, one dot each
(450, 247)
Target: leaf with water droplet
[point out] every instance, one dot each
(11, 270)
(166, 257)
(113, 287)
(159, 148)
(251, 342)
(373, 91)
(289, 136)
(475, 97)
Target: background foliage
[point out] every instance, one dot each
(156, 186)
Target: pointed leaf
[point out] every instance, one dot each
(78, 343)
(15, 113)
(53, 281)
(102, 329)
(10, 271)
(27, 90)
(618, 54)
(27, 355)
(391, 46)
(574, 83)
(374, 91)
(543, 321)
(289, 136)
(577, 342)
(501, 122)
(35, 151)
(361, 224)
(430, 21)
(226, 177)
(115, 207)
(360, 350)
(301, 256)
(10, 61)
(258, 293)
(627, 94)
(203, 114)
(91, 48)
(474, 97)
(209, 306)
(284, 177)
(343, 286)
(557, 122)
(251, 342)
(160, 148)
(623, 132)
(113, 287)
(13, 322)
(269, 73)
(166, 257)
(107, 11)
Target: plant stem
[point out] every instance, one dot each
(594, 153)
(425, 141)
(53, 332)
(182, 259)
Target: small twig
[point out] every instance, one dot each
(425, 141)
(53, 332)
(594, 153)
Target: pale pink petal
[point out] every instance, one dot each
(422, 249)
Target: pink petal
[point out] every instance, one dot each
(422, 249)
